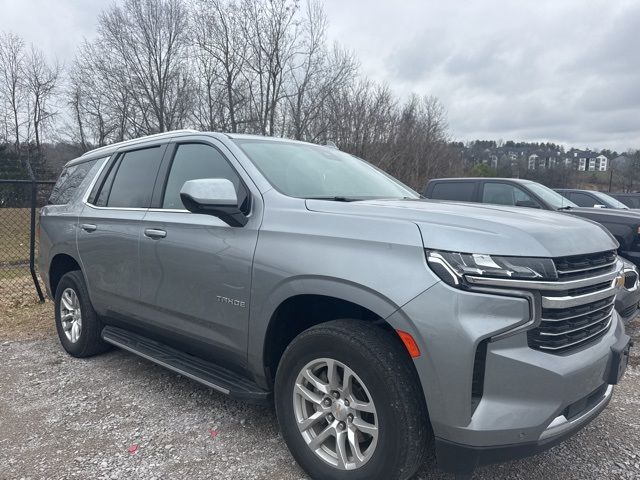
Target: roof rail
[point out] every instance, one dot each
(134, 140)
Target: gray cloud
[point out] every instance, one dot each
(562, 71)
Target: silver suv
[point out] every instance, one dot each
(378, 323)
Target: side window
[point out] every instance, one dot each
(459, 191)
(505, 194)
(194, 161)
(69, 181)
(130, 181)
(582, 199)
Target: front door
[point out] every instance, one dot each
(196, 269)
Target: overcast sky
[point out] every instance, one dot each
(559, 70)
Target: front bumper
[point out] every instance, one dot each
(463, 459)
(627, 304)
(525, 391)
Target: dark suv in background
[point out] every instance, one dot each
(631, 200)
(590, 198)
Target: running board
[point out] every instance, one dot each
(207, 373)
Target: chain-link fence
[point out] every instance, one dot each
(20, 201)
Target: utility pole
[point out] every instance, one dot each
(610, 174)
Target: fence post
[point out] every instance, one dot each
(32, 240)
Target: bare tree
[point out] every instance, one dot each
(148, 40)
(221, 56)
(272, 34)
(41, 82)
(315, 74)
(12, 62)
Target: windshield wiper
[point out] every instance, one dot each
(568, 207)
(337, 199)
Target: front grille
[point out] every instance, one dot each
(581, 266)
(568, 328)
(575, 316)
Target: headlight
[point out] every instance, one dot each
(452, 267)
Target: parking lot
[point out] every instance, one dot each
(117, 416)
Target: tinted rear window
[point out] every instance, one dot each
(459, 191)
(133, 179)
(629, 200)
(582, 199)
(69, 181)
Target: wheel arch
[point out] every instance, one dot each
(304, 302)
(60, 264)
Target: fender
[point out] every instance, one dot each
(312, 285)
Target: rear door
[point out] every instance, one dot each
(196, 269)
(109, 229)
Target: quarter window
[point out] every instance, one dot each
(69, 181)
(194, 161)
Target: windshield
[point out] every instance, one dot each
(610, 201)
(554, 199)
(312, 171)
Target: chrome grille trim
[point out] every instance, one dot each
(569, 301)
(572, 317)
(578, 342)
(543, 285)
(577, 329)
(581, 270)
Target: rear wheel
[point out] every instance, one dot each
(77, 323)
(349, 403)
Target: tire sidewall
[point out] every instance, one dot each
(390, 439)
(74, 281)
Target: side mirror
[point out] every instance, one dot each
(213, 196)
(527, 203)
(597, 205)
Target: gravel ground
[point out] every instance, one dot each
(120, 417)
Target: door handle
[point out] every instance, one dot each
(88, 227)
(154, 233)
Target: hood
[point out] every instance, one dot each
(478, 228)
(614, 214)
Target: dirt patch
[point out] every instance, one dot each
(22, 317)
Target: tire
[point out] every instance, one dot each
(382, 372)
(84, 341)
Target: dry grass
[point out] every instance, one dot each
(21, 316)
(14, 236)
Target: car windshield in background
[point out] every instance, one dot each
(610, 201)
(312, 171)
(554, 199)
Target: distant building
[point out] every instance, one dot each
(588, 161)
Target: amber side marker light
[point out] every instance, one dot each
(409, 343)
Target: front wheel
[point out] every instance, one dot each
(349, 403)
